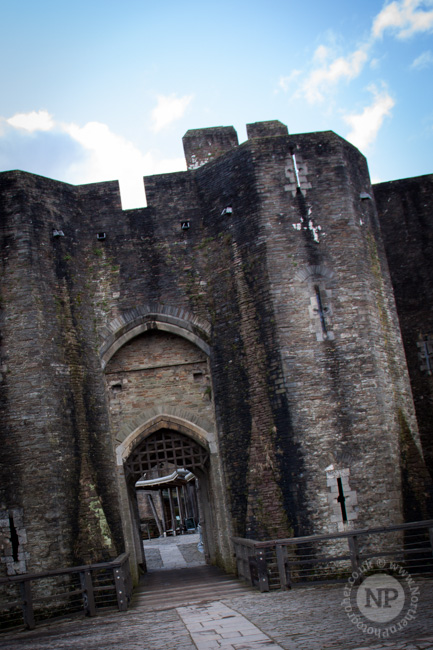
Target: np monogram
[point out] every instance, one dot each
(381, 596)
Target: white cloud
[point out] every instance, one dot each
(169, 109)
(110, 156)
(285, 82)
(401, 17)
(404, 17)
(424, 60)
(365, 126)
(321, 80)
(34, 121)
(84, 154)
(322, 53)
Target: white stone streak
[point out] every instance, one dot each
(217, 626)
(315, 230)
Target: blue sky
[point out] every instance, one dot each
(100, 90)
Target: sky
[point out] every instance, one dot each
(97, 90)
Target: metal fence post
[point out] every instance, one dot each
(88, 594)
(352, 541)
(262, 569)
(281, 552)
(27, 604)
(119, 581)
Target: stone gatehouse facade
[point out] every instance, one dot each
(265, 321)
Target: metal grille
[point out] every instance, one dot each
(166, 448)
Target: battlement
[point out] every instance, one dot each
(265, 129)
(203, 145)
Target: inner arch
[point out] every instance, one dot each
(163, 450)
(158, 317)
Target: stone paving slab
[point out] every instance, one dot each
(193, 557)
(216, 626)
(173, 552)
(171, 557)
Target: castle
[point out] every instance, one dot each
(264, 323)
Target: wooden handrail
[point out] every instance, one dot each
(254, 567)
(121, 559)
(350, 533)
(121, 585)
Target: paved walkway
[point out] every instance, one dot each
(217, 626)
(310, 618)
(182, 608)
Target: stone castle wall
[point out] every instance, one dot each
(250, 299)
(406, 219)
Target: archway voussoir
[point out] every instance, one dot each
(135, 321)
(167, 415)
(159, 417)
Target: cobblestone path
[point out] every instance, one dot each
(310, 618)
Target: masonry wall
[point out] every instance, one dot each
(57, 467)
(313, 407)
(59, 292)
(406, 220)
(342, 360)
(307, 381)
(157, 368)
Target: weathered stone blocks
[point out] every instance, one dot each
(267, 332)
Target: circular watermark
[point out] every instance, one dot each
(382, 603)
(380, 598)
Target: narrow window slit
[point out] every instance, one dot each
(14, 539)
(321, 311)
(342, 499)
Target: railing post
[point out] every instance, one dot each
(262, 569)
(252, 565)
(248, 564)
(88, 594)
(239, 555)
(244, 562)
(352, 540)
(281, 552)
(119, 581)
(27, 604)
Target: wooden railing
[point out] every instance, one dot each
(286, 563)
(27, 599)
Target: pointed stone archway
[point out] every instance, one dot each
(161, 453)
(172, 440)
(159, 390)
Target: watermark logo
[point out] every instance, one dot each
(383, 603)
(380, 598)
